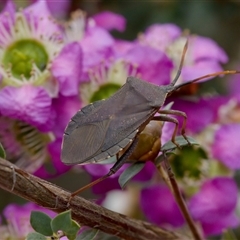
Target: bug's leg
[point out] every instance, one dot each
(178, 113)
(169, 119)
(113, 170)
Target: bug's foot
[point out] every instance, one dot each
(69, 200)
(185, 137)
(176, 144)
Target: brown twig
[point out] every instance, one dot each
(48, 195)
(179, 199)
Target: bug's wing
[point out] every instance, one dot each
(83, 139)
(135, 113)
(102, 129)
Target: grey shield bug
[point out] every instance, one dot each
(104, 128)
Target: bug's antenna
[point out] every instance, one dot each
(180, 65)
(206, 76)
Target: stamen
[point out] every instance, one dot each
(5, 36)
(74, 29)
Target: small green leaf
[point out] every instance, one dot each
(35, 236)
(2, 152)
(180, 140)
(187, 163)
(88, 234)
(130, 172)
(72, 232)
(229, 234)
(62, 222)
(41, 223)
(160, 159)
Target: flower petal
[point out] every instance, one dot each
(160, 36)
(195, 123)
(105, 186)
(40, 14)
(152, 65)
(28, 103)
(98, 170)
(234, 86)
(7, 19)
(58, 10)
(67, 69)
(218, 227)
(110, 21)
(226, 146)
(214, 204)
(39, 7)
(8, 11)
(199, 69)
(206, 48)
(159, 206)
(146, 173)
(121, 47)
(64, 108)
(18, 218)
(97, 46)
(54, 152)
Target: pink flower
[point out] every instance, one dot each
(160, 36)
(204, 56)
(151, 65)
(226, 145)
(97, 45)
(110, 21)
(39, 65)
(18, 218)
(58, 9)
(28, 103)
(214, 205)
(67, 68)
(159, 206)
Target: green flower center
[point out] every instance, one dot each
(22, 54)
(105, 91)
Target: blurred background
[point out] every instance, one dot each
(219, 20)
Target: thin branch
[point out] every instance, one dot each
(180, 201)
(48, 195)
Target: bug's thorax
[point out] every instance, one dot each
(154, 94)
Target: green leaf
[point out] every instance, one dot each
(229, 234)
(41, 223)
(35, 236)
(188, 162)
(72, 232)
(161, 158)
(2, 152)
(180, 140)
(130, 172)
(64, 223)
(88, 234)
